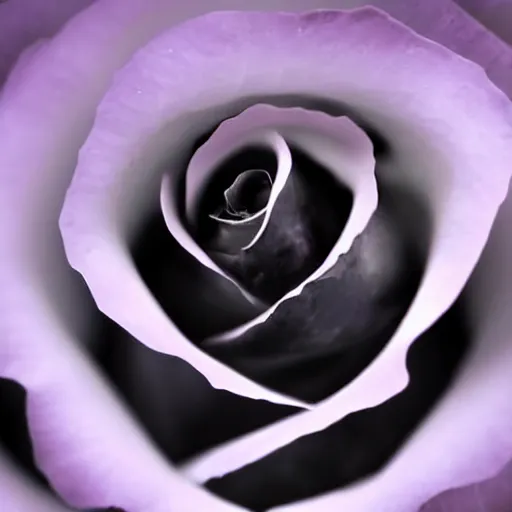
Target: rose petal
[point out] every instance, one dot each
(440, 20)
(239, 232)
(234, 197)
(232, 135)
(445, 22)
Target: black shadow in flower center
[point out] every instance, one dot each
(14, 433)
(183, 413)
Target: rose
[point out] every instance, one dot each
(57, 381)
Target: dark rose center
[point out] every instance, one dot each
(304, 223)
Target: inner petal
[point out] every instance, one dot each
(248, 195)
(240, 218)
(231, 184)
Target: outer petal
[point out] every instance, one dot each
(440, 20)
(445, 22)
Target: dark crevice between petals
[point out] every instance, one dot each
(15, 441)
(198, 300)
(361, 443)
(174, 402)
(14, 434)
